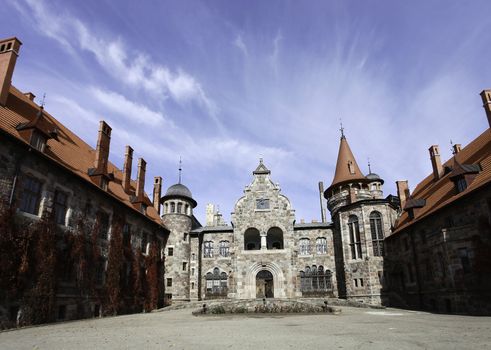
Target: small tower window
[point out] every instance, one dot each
(354, 237)
(173, 207)
(179, 208)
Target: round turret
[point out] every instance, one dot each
(178, 200)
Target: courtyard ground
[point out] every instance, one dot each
(354, 328)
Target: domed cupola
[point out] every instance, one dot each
(178, 199)
(179, 191)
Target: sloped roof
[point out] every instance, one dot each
(440, 193)
(179, 190)
(261, 168)
(69, 151)
(347, 168)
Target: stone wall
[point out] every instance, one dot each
(442, 263)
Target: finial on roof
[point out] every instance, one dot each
(452, 147)
(341, 129)
(260, 160)
(180, 168)
(369, 167)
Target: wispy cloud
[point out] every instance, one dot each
(239, 43)
(133, 68)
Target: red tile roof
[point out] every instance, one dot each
(441, 193)
(68, 150)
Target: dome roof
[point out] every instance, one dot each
(179, 190)
(374, 177)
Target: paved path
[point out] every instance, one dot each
(353, 329)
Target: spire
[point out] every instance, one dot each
(369, 166)
(180, 169)
(341, 128)
(346, 167)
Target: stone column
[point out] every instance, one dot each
(263, 241)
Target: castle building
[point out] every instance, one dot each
(439, 255)
(46, 171)
(428, 249)
(265, 253)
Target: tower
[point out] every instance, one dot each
(362, 218)
(178, 204)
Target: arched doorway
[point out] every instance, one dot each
(264, 284)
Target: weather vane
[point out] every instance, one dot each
(341, 129)
(43, 100)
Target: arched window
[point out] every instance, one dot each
(377, 233)
(274, 238)
(179, 207)
(252, 239)
(208, 249)
(216, 284)
(354, 237)
(172, 207)
(304, 244)
(315, 281)
(186, 209)
(321, 245)
(224, 248)
(166, 208)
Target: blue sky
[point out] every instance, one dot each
(223, 83)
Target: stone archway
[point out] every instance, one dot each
(264, 284)
(249, 289)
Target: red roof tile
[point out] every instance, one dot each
(68, 150)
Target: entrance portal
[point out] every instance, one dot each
(264, 284)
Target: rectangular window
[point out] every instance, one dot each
(170, 251)
(224, 248)
(464, 260)
(461, 185)
(144, 243)
(38, 141)
(208, 249)
(31, 195)
(192, 271)
(192, 285)
(103, 225)
(60, 207)
(355, 240)
(126, 234)
(169, 282)
(184, 266)
(100, 272)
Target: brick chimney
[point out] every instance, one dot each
(157, 192)
(102, 148)
(436, 163)
(140, 179)
(403, 192)
(128, 163)
(457, 148)
(9, 50)
(486, 100)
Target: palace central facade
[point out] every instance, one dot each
(265, 253)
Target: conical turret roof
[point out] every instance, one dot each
(346, 167)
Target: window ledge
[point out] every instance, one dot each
(28, 215)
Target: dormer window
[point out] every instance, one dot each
(351, 167)
(38, 141)
(461, 184)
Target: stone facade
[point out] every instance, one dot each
(266, 253)
(83, 202)
(442, 263)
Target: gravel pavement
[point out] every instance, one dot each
(353, 329)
